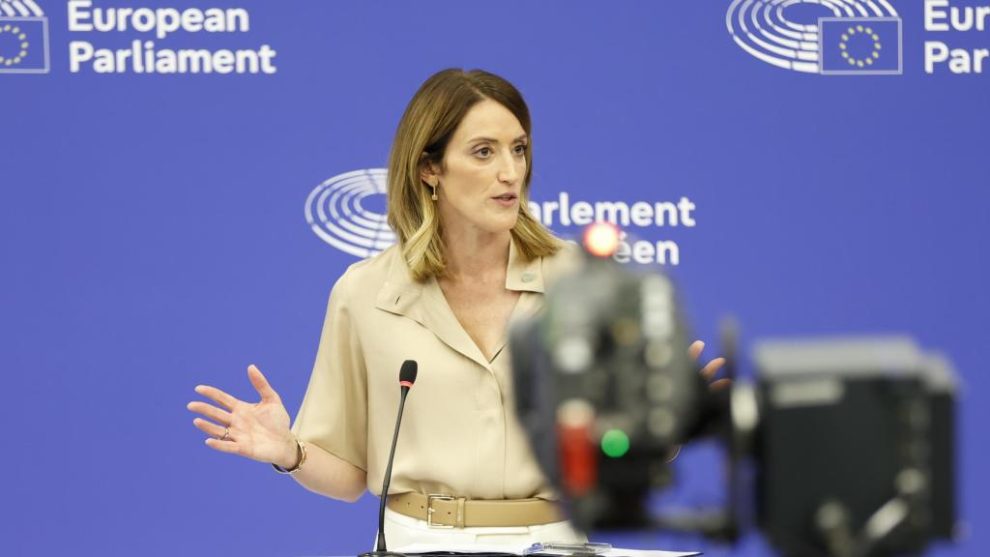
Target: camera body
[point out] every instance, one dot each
(600, 389)
(854, 445)
(850, 440)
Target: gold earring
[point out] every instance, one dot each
(434, 186)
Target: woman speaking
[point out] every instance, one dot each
(469, 259)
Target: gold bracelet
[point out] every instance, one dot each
(301, 451)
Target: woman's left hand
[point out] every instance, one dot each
(711, 368)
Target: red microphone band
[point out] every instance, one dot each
(406, 384)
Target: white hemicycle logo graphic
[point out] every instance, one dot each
(860, 37)
(23, 37)
(337, 212)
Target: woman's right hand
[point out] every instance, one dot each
(259, 430)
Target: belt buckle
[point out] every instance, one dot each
(430, 498)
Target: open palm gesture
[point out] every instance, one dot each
(258, 430)
(710, 369)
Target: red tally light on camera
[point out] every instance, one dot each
(576, 451)
(601, 239)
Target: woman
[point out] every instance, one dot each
(469, 258)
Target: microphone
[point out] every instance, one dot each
(407, 376)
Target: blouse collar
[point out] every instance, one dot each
(401, 293)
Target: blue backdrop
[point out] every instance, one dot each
(153, 231)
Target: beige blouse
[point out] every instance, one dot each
(459, 433)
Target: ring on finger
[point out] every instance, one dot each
(226, 434)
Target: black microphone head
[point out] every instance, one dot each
(407, 373)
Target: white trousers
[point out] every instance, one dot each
(403, 533)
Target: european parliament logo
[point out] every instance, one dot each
(23, 37)
(347, 212)
(848, 37)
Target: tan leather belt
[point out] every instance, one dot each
(445, 511)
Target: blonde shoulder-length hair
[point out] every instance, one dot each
(426, 127)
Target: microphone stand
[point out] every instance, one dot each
(380, 549)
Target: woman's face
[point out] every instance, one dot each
(484, 168)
